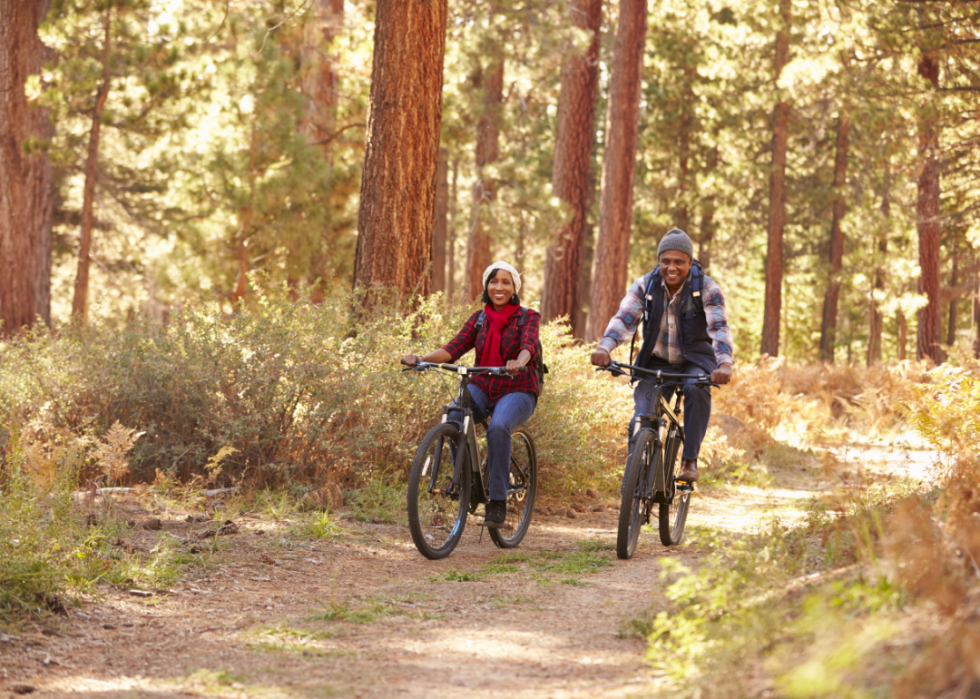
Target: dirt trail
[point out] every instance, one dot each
(364, 615)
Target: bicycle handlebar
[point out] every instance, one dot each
(462, 370)
(619, 369)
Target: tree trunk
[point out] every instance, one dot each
(903, 336)
(953, 281)
(439, 228)
(927, 223)
(684, 149)
(708, 226)
(451, 236)
(320, 80)
(484, 190)
(397, 205)
(777, 194)
(611, 264)
(828, 327)
(570, 176)
(26, 202)
(877, 317)
(976, 316)
(79, 302)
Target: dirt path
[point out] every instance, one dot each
(364, 615)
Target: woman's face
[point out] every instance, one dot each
(500, 288)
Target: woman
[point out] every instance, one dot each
(507, 338)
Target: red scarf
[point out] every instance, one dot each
(496, 322)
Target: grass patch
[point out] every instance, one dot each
(381, 501)
(368, 614)
(454, 575)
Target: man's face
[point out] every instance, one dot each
(674, 266)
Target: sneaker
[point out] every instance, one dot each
(496, 513)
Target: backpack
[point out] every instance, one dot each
(542, 368)
(697, 283)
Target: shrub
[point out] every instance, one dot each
(283, 394)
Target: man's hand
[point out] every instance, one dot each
(722, 374)
(410, 360)
(601, 357)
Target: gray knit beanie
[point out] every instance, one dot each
(676, 239)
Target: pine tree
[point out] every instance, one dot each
(26, 196)
(611, 264)
(772, 315)
(575, 134)
(398, 187)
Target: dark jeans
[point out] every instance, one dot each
(511, 411)
(697, 404)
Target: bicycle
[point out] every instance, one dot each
(440, 490)
(650, 477)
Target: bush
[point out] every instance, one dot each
(289, 393)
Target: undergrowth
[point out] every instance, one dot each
(873, 595)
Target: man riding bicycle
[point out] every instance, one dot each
(685, 330)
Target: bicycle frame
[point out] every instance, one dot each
(657, 486)
(467, 427)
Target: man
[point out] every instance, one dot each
(680, 336)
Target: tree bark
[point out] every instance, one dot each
(953, 281)
(26, 180)
(484, 189)
(451, 235)
(777, 194)
(684, 149)
(570, 175)
(438, 276)
(79, 302)
(320, 81)
(708, 226)
(877, 317)
(611, 264)
(927, 222)
(976, 316)
(903, 336)
(397, 204)
(828, 327)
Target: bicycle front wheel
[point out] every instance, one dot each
(437, 507)
(522, 487)
(633, 507)
(673, 515)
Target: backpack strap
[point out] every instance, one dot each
(697, 284)
(481, 319)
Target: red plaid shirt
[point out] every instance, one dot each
(513, 339)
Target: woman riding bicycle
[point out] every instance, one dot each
(504, 335)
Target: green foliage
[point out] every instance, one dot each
(289, 394)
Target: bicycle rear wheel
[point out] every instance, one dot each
(522, 488)
(633, 507)
(436, 508)
(673, 515)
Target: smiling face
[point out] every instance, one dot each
(674, 266)
(500, 288)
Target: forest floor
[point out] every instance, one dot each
(359, 613)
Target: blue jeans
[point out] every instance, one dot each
(511, 411)
(697, 405)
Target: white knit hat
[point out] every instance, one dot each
(503, 266)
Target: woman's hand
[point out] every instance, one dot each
(410, 360)
(513, 367)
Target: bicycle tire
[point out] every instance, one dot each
(522, 488)
(634, 481)
(673, 515)
(437, 519)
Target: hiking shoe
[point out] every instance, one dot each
(496, 513)
(689, 471)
